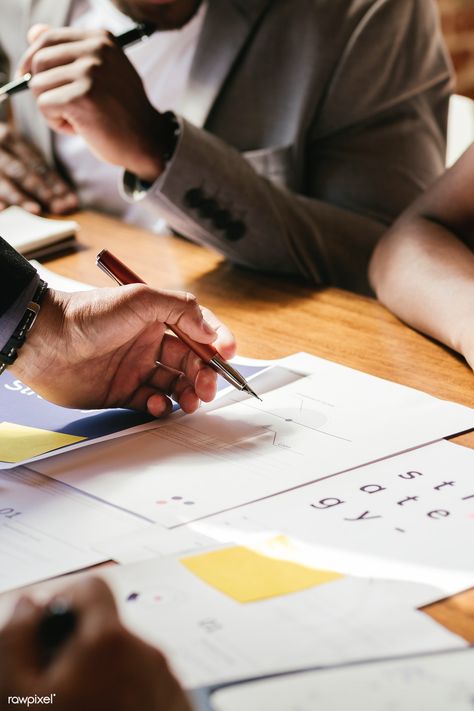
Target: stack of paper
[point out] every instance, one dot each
(34, 236)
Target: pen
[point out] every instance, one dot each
(137, 33)
(56, 626)
(115, 269)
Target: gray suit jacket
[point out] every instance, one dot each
(308, 126)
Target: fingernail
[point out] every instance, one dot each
(23, 607)
(159, 405)
(208, 328)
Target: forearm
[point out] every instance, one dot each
(19, 281)
(425, 275)
(210, 188)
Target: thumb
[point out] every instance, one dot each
(183, 310)
(36, 31)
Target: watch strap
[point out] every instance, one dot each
(9, 352)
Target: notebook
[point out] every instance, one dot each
(33, 236)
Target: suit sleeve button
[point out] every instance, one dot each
(222, 219)
(194, 198)
(208, 208)
(235, 231)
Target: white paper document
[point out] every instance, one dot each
(222, 457)
(438, 682)
(408, 517)
(210, 637)
(48, 528)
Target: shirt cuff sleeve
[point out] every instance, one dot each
(133, 189)
(12, 317)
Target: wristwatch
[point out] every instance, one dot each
(9, 352)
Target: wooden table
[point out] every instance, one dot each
(273, 317)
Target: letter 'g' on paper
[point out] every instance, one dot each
(248, 576)
(18, 442)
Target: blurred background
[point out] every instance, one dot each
(458, 24)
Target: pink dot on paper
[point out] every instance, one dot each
(160, 503)
(471, 515)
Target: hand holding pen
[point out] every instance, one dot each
(75, 651)
(84, 84)
(123, 40)
(121, 274)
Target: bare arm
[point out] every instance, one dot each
(423, 268)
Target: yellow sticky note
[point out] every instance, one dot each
(248, 576)
(18, 442)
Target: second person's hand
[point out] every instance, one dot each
(27, 181)
(84, 84)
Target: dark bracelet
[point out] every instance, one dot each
(9, 352)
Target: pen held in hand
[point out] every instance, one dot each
(120, 273)
(126, 39)
(55, 628)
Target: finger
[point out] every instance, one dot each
(171, 307)
(187, 392)
(158, 404)
(54, 102)
(6, 133)
(10, 194)
(96, 616)
(148, 398)
(24, 165)
(18, 639)
(20, 173)
(61, 76)
(35, 32)
(182, 309)
(59, 36)
(62, 55)
(27, 153)
(225, 341)
(176, 356)
(182, 392)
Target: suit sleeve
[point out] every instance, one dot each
(375, 142)
(19, 281)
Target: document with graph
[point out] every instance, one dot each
(242, 450)
(237, 611)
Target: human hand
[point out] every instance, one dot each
(101, 666)
(84, 84)
(26, 179)
(97, 349)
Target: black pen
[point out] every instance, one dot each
(137, 33)
(56, 626)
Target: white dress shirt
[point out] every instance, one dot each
(163, 62)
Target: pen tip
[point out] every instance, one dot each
(251, 392)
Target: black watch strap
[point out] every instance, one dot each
(9, 352)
